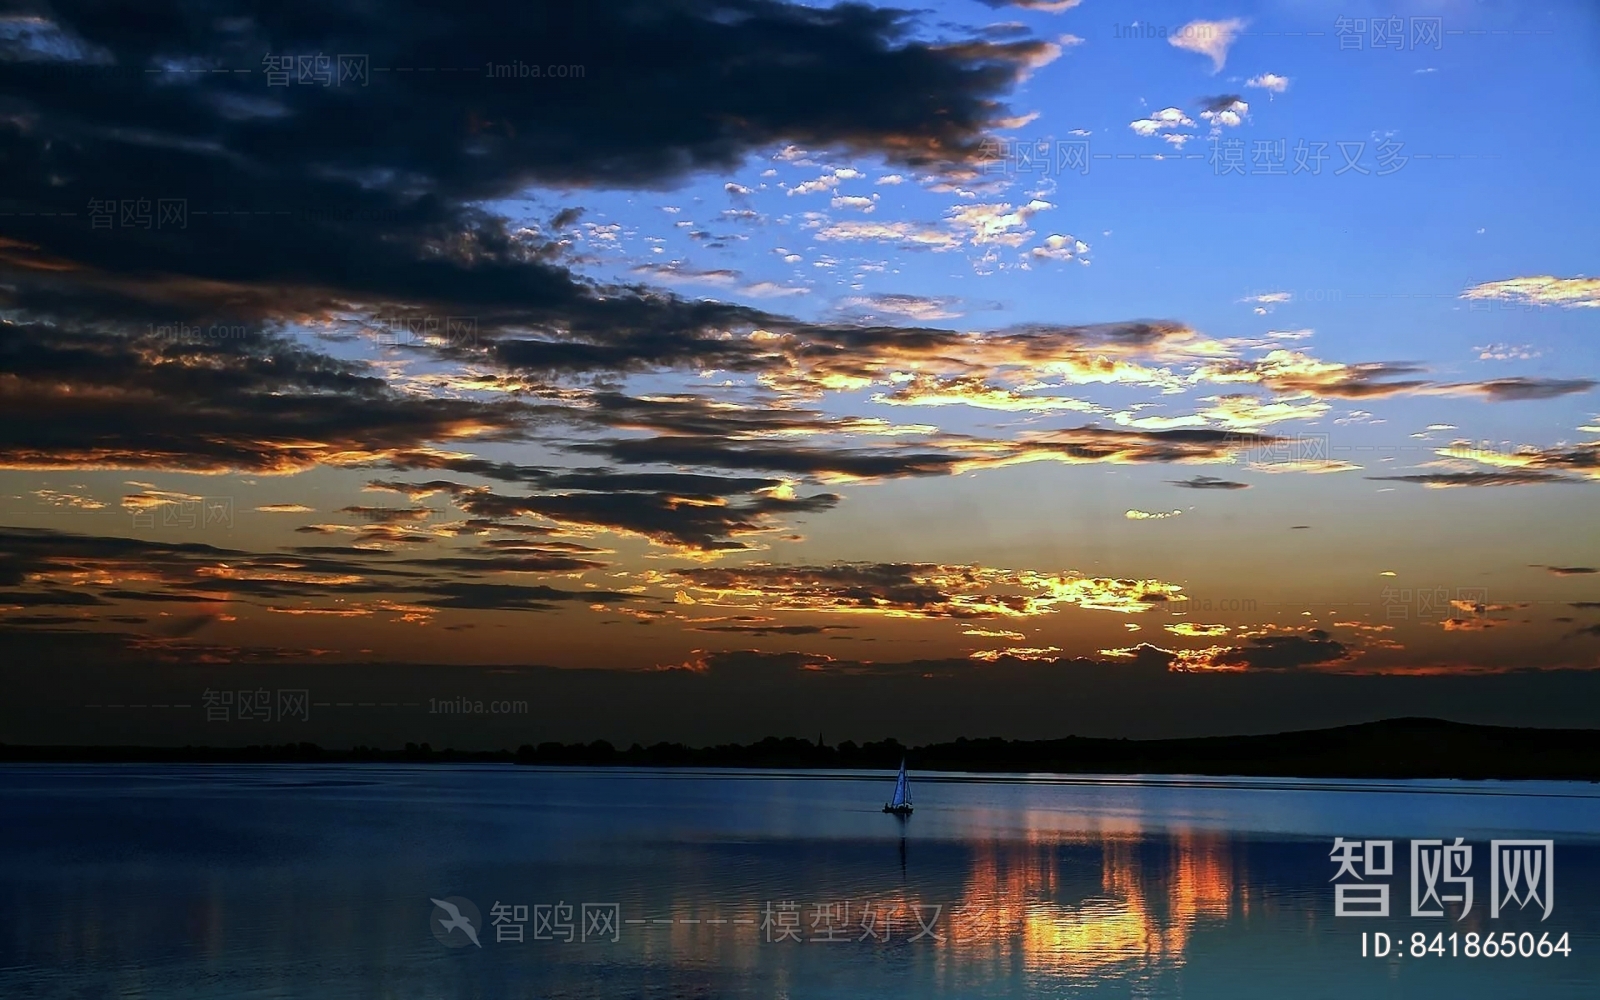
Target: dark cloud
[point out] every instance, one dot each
(690, 416)
(772, 629)
(1179, 445)
(1569, 570)
(683, 484)
(1209, 483)
(1222, 102)
(184, 626)
(25, 552)
(712, 520)
(49, 598)
(1351, 388)
(390, 515)
(76, 398)
(523, 545)
(46, 620)
(194, 573)
(163, 597)
(371, 539)
(368, 183)
(635, 333)
(342, 551)
(1269, 652)
(1508, 477)
(307, 202)
(1283, 652)
(942, 455)
(529, 561)
(795, 459)
(1520, 388)
(1011, 29)
(513, 597)
(670, 508)
(790, 441)
(587, 479)
(566, 217)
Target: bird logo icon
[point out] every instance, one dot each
(452, 914)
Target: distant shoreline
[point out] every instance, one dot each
(1394, 748)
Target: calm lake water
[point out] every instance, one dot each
(316, 882)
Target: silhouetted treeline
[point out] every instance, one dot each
(1396, 748)
(770, 752)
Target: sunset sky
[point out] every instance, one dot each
(691, 337)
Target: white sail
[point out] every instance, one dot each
(901, 798)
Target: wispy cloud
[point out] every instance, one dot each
(1046, 6)
(1209, 38)
(1540, 290)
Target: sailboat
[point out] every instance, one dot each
(900, 805)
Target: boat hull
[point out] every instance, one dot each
(898, 810)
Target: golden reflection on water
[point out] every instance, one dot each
(1033, 903)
